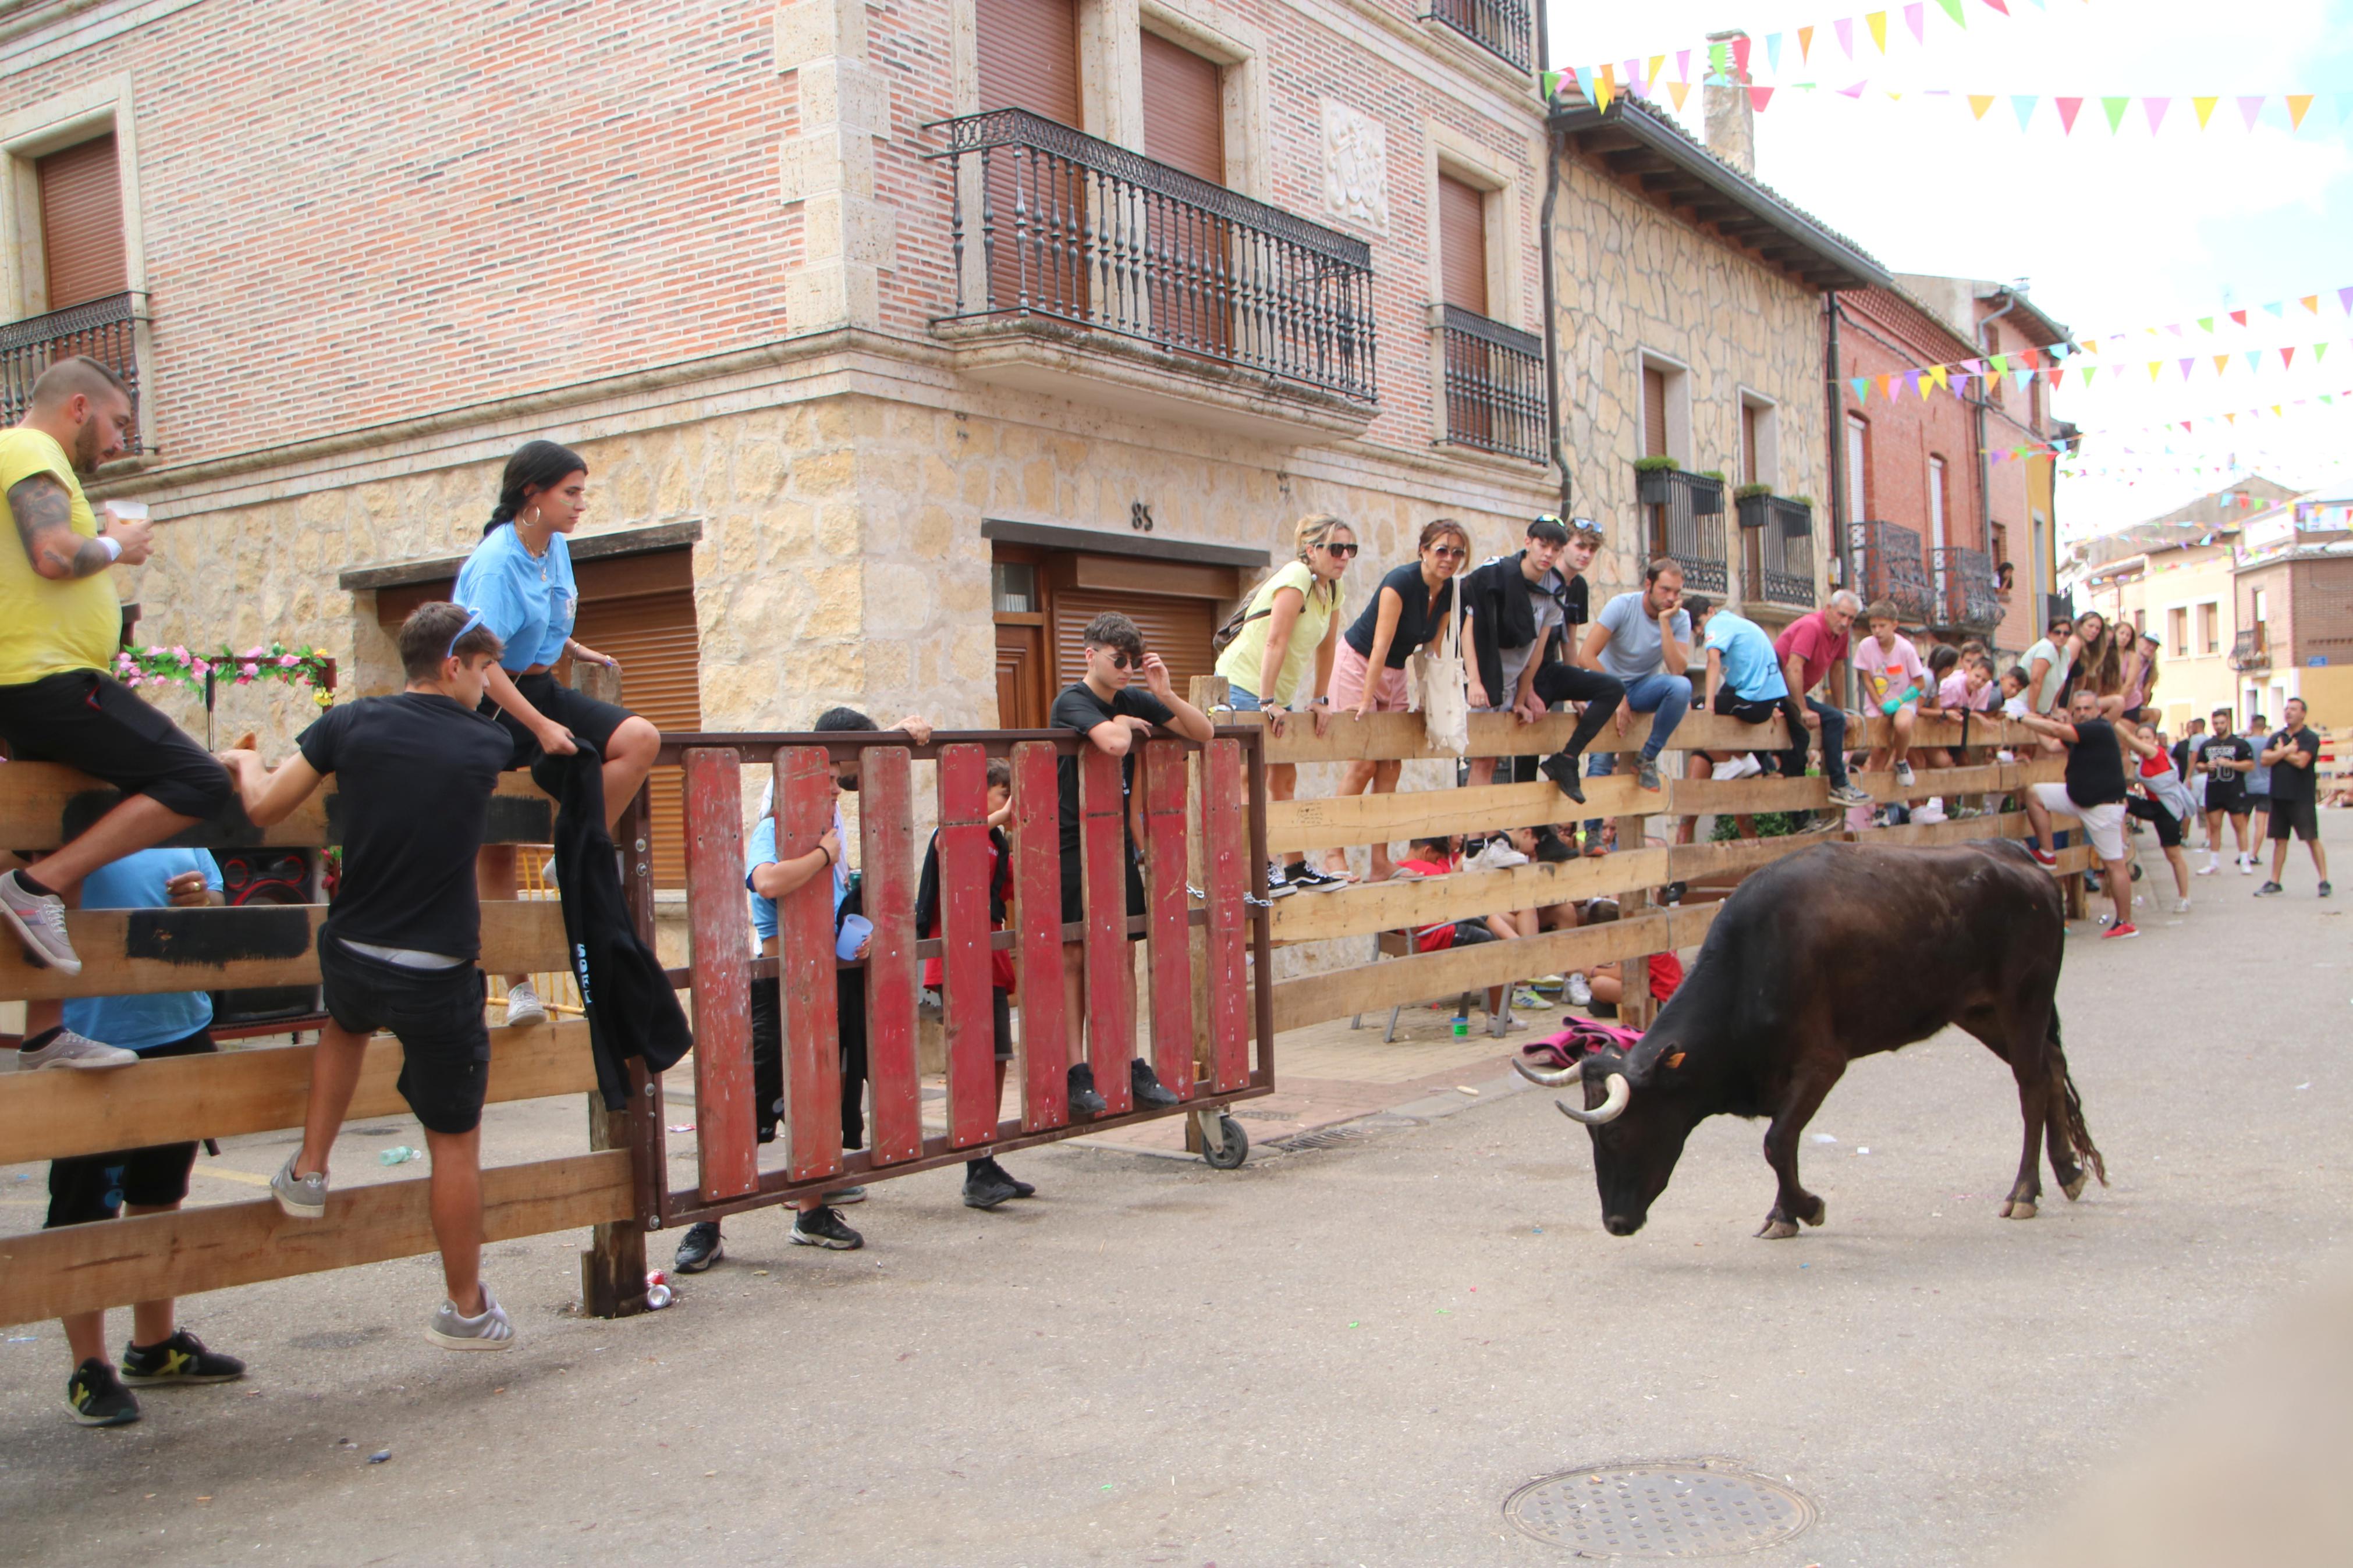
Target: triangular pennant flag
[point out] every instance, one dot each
(2278, 308)
(1998, 6)
(1682, 65)
(2231, 418)
(2021, 377)
(2031, 358)
(1740, 48)
(1845, 26)
(1953, 9)
(1887, 385)
(2311, 303)
(2024, 103)
(2276, 410)
(1854, 92)
(1606, 86)
(1936, 376)
(1658, 70)
(2319, 352)
(1773, 52)
(2205, 108)
(2344, 298)
(2089, 371)
(1551, 85)
(1974, 366)
(1805, 43)
(2297, 102)
(1980, 102)
(1915, 17)
(2207, 322)
(2239, 316)
(2154, 366)
(2116, 108)
(1877, 22)
(1719, 62)
(2255, 359)
(2287, 358)
(1679, 91)
(1861, 384)
(2185, 366)
(2221, 363)
(1914, 382)
(1635, 86)
(1758, 97)
(2068, 108)
(2250, 108)
(2090, 345)
(2000, 362)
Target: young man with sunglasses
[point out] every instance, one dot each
(401, 947)
(1112, 714)
(1515, 606)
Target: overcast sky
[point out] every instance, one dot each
(2114, 231)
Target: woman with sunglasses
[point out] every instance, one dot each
(519, 583)
(1291, 623)
(1408, 612)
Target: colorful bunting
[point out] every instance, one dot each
(1877, 22)
(2068, 108)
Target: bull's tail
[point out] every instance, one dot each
(2079, 1135)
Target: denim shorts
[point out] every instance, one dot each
(1241, 701)
(437, 1015)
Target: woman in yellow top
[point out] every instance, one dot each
(1290, 631)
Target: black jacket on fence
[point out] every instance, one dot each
(1496, 595)
(632, 1011)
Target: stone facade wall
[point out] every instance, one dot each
(1633, 279)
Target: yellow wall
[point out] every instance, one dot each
(2194, 686)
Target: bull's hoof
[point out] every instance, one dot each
(2017, 1208)
(2074, 1186)
(1820, 1211)
(1777, 1230)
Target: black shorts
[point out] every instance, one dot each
(2133, 713)
(2167, 826)
(89, 1187)
(89, 720)
(437, 1015)
(586, 718)
(2258, 801)
(2299, 817)
(1471, 933)
(1074, 904)
(2233, 803)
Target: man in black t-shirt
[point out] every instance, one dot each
(2094, 794)
(403, 938)
(2295, 802)
(2226, 760)
(1111, 714)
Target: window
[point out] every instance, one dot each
(2000, 549)
(1858, 468)
(1937, 503)
(2177, 626)
(1028, 58)
(1461, 244)
(1184, 127)
(1760, 441)
(82, 224)
(2210, 627)
(1045, 598)
(1666, 410)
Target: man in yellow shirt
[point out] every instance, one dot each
(60, 625)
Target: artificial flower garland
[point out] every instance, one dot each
(181, 665)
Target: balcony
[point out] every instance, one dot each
(1888, 565)
(1498, 27)
(1684, 520)
(1776, 551)
(1074, 257)
(1494, 384)
(2252, 649)
(1964, 600)
(107, 330)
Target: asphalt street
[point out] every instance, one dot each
(1350, 1354)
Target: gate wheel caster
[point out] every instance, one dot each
(1225, 1147)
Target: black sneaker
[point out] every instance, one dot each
(97, 1398)
(180, 1359)
(823, 1227)
(2324, 889)
(1308, 879)
(1561, 768)
(1673, 892)
(984, 1188)
(1084, 1100)
(1146, 1086)
(2269, 891)
(1278, 885)
(699, 1249)
(1021, 1189)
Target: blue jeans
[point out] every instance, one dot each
(1241, 701)
(1665, 697)
(1833, 742)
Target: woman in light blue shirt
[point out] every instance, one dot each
(519, 580)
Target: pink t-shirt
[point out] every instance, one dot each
(1810, 640)
(1953, 694)
(1886, 673)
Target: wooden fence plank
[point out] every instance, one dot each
(1986, 729)
(1228, 862)
(1391, 737)
(1693, 798)
(131, 952)
(968, 1010)
(1336, 820)
(886, 830)
(1037, 916)
(718, 924)
(812, 1121)
(1102, 865)
(42, 805)
(1169, 947)
(178, 1100)
(1407, 901)
(85, 1268)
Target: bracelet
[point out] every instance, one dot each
(112, 546)
(828, 856)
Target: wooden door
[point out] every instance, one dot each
(1655, 445)
(1024, 688)
(1027, 56)
(82, 224)
(1191, 253)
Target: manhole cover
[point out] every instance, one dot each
(1658, 1510)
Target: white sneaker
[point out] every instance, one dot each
(2208, 869)
(1904, 775)
(1723, 772)
(2246, 865)
(1750, 766)
(39, 922)
(523, 1006)
(2181, 906)
(1577, 991)
(67, 1049)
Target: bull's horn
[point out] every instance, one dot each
(1613, 1104)
(1551, 1077)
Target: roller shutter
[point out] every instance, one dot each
(1655, 413)
(1179, 630)
(1029, 56)
(82, 224)
(1461, 244)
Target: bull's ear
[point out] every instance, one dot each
(1674, 1061)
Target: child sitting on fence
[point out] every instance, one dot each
(1893, 682)
(403, 938)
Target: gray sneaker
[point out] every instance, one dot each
(39, 922)
(1848, 795)
(1648, 778)
(67, 1049)
(453, 1332)
(304, 1197)
(1904, 775)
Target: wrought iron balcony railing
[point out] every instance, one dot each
(2252, 649)
(1964, 590)
(1494, 384)
(1888, 565)
(1499, 26)
(1684, 519)
(1047, 222)
(106, 330)
(1776, 540)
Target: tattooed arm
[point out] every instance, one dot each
(44, 514)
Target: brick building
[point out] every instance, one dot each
(2292, 592)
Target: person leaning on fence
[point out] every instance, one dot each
(153, 1180)
(1515, 606)
(1813, 651)
(1642, 639)
(2048, 664)
(519, 580)
(414, 772)
(1284, 642)
(2094, 794)
(2164, 804)
(1744, 682)
(60, 624)
(1112, 714)
(1408, 611)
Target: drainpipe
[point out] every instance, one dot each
(1552, 350)
(1985, 483)
(1841, 507)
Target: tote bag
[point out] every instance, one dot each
(1442, 688)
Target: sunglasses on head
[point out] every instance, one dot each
(1343, 551)
(472, 620)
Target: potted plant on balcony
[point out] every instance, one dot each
(1707, 492)
(1749, 502)
(1654, 480)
